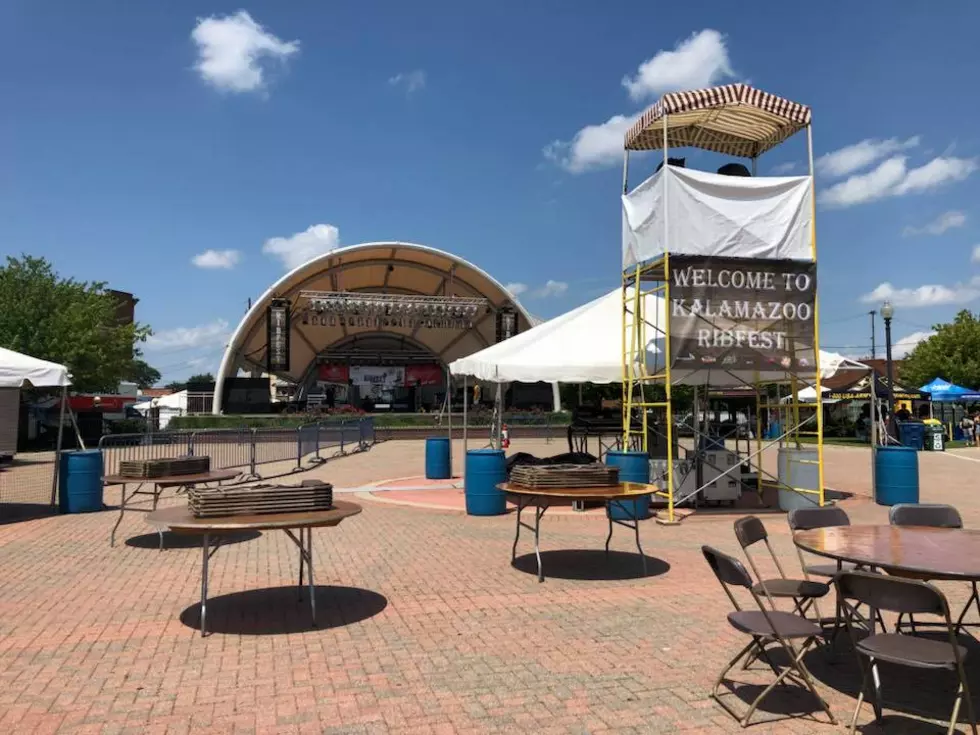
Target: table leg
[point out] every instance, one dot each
(302, 560)
(538, 512)
(205, 557)
(517, 535)
(122, 509)
(633, 525)
(309, 569)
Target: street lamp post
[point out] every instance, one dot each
(887, 312)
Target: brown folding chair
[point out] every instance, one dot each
(902, 596)
(930, 515)
(830, 516)
(766, 626)
(803, 592)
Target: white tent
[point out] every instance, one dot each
(17, 370)
(174, 404)
(586, 346)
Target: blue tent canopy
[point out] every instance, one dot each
(945, 392)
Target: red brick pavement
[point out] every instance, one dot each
(424, 626)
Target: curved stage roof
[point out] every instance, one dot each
(375, 267)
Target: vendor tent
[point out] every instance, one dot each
(943, 391)
(174, 404)
(18, 371)
(860, 390)
(586, 346)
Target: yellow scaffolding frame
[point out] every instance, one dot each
(638, 378)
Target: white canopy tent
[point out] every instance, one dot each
(174, 404)
(585, 346)
(17, 371)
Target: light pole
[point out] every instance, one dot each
(887, 312)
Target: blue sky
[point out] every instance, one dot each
(177, 149)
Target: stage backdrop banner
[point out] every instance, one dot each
(742, 313)
(383, 377)
(425, 374)
(333, 372)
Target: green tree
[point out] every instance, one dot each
(201, 378)
(175, 386)
(144, 375)
(71, 322)
(952, 353)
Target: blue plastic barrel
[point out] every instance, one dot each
(896, 475)
(774, 430)
(80, 481)
(437, 458)
(633, 467)
(912, 434)
(485, 469)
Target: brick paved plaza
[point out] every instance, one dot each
(424, 625)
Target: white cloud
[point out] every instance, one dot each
(929, 295)
(698, 61)
(976, 253)
(295, 250)
(217, 259)
(594, 146)
(855, 157)
(411, 81)
(551, 288)
(783, 169)
(945, 221)
(189, 337)
(894, 178)
(906, 344)
(516, 289)
(232, 48)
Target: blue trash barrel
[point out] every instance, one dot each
(80, 481)
(633, 467)
(774, 430)
(485, 469)
(896, 475)
(912, 434)
(437, 458)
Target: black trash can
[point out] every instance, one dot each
(935, 439)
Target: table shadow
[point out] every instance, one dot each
(278, 610)
(184, 540)
(591, 564)
(911, 694)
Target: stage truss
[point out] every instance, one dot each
(741, 122)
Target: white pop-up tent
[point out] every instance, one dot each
(174, 404)
(18, 371)
(586, 346)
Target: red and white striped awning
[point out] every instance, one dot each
(734, 119)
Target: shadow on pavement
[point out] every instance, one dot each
(591, 564)
(184, 540)
(914, 694)
(278, 610)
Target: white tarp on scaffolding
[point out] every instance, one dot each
(586, 346)
(700, 213)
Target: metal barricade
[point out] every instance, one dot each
(227, 448)
(118, 448)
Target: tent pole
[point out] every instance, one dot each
(57, 450)
(449, 416)
(874, 437)
(465, 422)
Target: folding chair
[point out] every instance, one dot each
(902, 596)
(931, 515)
(806, 519)
(765, 626)
(803, 592)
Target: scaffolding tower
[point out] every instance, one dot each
(737, 121)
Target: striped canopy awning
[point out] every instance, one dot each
(735, 119)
